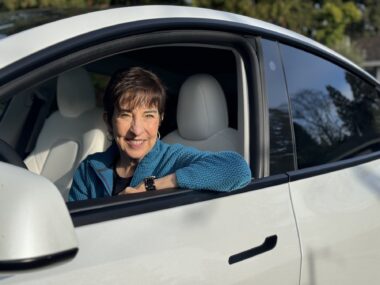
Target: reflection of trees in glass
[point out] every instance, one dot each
(366, 104)
(281, 145)
(357, 114)
(328, 124)
(314, 111)
(317, 126)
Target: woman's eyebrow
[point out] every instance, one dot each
(151, 111)
(124, 110)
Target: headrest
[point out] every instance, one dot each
(75, 93)
(202, 109)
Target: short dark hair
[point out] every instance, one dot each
(134, 87)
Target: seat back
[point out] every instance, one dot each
(69, 134)
(202, 116)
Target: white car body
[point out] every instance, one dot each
(325, 220)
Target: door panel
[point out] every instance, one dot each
(187, 245)
(338, 221)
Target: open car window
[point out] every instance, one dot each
(53, 139)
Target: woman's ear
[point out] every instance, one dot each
(161, 118)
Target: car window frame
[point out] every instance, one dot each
(260, 40)
(209, 37)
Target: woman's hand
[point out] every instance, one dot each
(166, 182)
(131, 190)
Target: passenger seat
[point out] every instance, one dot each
(202, 116)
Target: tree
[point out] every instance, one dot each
(295, 15)
(145, 2)
(23, 4)
(243, 7)
(370, 22)
(332, 20)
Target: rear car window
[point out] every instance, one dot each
(336, 114)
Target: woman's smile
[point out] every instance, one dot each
(135, 143)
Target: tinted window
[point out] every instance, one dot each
(281, 148)
(336, 114)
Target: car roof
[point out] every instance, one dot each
(25, 43)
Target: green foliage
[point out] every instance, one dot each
(144, 2)
(331, 22)
(23, 4)
(349, 49)
(332, 19)
(292, 14)
(243, 7)
(331, 26)
(370, 23)
(13, 5)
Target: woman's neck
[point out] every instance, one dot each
(125, 167)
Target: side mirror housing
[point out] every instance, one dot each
(36, 229)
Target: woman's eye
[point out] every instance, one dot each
(125, 115)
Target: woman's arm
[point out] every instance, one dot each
(190, 168)
(218, 171)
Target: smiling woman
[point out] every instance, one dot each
(137, 161)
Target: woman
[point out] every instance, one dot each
(137, 160)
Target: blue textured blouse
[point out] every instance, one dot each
(199, 170)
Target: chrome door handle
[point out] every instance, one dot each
(268, 244)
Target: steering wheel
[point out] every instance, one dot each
(9, 155)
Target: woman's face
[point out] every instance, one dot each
(135, 131)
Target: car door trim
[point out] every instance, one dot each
(331, 166)
(104, 209)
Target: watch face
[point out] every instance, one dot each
(149, 183)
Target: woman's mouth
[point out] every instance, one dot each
(135, 143)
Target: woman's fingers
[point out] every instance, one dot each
(131, 190)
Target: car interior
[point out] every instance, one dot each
(54, 125)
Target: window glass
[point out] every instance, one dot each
(281, 148)
(336, 114)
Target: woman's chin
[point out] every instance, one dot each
(136, 153)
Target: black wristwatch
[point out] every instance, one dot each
(149, 183)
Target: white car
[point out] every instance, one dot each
(306, 119)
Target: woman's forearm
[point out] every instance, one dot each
(168, 181)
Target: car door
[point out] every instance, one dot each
(335, 193)
(180, 236)
(203, 242)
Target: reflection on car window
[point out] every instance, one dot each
(335, 113)
(281, 147)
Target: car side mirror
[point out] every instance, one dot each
(36, 229)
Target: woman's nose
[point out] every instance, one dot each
(136, 126)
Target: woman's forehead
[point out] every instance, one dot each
(139, 100)
(130, 106)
